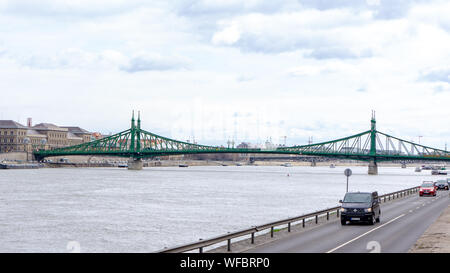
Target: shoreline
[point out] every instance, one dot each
(187, 163)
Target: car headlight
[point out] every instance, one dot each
(368, 210)
(343, 210)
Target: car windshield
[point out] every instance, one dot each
(425, 185)
(357, 198)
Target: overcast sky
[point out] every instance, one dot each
(223, 69)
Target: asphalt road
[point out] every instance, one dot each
(402, 223)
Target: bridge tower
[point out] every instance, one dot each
(135, 163)
(373, 167)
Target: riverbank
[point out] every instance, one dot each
(187, 163)
(436, 238)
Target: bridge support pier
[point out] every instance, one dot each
(373, 167)
(135, 164)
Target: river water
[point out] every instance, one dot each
(116, 210)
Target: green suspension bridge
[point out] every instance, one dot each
(135, 143)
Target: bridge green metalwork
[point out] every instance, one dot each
(371, 146)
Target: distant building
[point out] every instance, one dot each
(79, 132)
(56, 136)
(97, 135)
(243, 145)
(12, 136)
(15, 137)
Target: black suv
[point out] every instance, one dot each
(360, 207)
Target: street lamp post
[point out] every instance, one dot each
(347, 173)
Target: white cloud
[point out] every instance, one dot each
(289, 31)
(227, 36)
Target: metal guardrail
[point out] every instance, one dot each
(251, 231)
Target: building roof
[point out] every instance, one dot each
(48, 127)
(11, 124)
(76, 130)
(34, 133)
(72, 136)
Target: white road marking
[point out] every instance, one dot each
(364, 234)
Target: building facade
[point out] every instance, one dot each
(12, 136)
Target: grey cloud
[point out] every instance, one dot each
(383, 9)
(195, 8)
(68, 9)
(338, 53)
(250, 42)
(361, 89)
(327, 4)
(153, 63)
(436, 75)
(245, 78)
(440, 89)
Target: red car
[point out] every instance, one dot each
(427, 188)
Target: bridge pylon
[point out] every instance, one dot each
(135, 163)
(373, 167)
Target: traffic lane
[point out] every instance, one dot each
(400, 234)
(327, 236)
(323, 237)
(388, 216)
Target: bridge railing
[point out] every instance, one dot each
(289, 221)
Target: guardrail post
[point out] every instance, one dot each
(200, 250)
(229, 245)
(271, 232)
(328, 215)
(317, 218)
(337, 213)
(289, 227)
(303, 222)
(253, 237)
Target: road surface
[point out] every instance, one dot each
(402, 224)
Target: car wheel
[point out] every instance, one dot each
(372, 220)
(379, 215)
